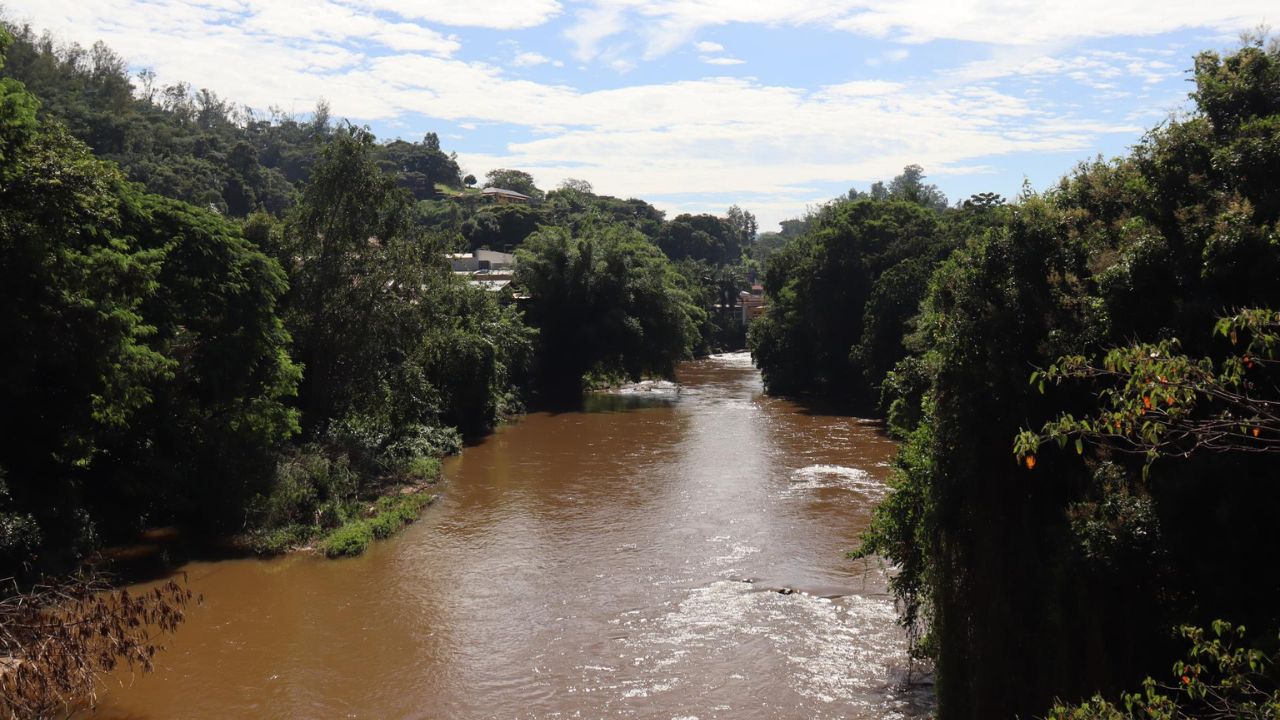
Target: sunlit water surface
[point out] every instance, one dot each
(621, 562)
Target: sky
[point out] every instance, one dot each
(773, 105)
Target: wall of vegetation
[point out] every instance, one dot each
(1053, 575)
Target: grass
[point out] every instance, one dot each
(422, 469)
(390, 514)
(455, 192)
(349, 540)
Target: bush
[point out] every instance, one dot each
(281, 540)
(391, 514)
(422, 469)
(419, 441)
(349, 540)
(385, 525)
(396, 512)
(309, 488)
(62, 640)
(377, 443)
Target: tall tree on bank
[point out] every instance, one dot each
(1067, 571)
(350, 244)
(149, 339)
(841, 295)
(389, 338)
(607, 302)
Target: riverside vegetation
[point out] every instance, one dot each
(1084, 383)
(244, 324)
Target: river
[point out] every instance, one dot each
(622, 561)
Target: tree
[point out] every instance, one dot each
(865, 259)
(150, 340)
(910, 186)
(1217, 679)
(1157, 402)
(1029, 568)
(61, 638)
(579, 186)
(502, 227)
(357, 266)
(419, 167)
(701, 237)
(607, 302)
(983, 201)
(393, 344)
(516, 180)
(743, 225)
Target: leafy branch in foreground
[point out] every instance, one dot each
(57, 640)
(1217, 680)
(1157, 401)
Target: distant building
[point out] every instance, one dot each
(498, 196)
(752, 303)
(484, 268)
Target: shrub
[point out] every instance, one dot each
(419, 441)
(309, 487)
(282, 539)
(385, 525)
(349, 540)
(396, 512)
(422, 469)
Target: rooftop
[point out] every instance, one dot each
(505, 193)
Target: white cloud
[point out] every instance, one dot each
(1098, 69)
(379, 60)
(897, 55)
(621, 65)
(530, 59)
(591, 27)
(496, 14)
(154, 32)
(665, 24)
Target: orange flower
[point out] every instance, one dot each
(1031, 462)
(1170, 401)
(1146, 401)
(1186, 680)
(1255, 432)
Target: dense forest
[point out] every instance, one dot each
(247, 326)
(1084, 383)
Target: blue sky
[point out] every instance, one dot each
(700, 104)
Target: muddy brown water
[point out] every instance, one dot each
(621, 561)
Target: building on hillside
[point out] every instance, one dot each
(481, 260)
(498, 196)
(486, 269)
